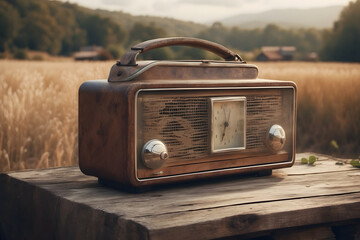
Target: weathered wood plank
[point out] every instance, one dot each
(309, 233)
(63, 198)
(250, 218)
(191, 197)
(30, 212)
(323, 164)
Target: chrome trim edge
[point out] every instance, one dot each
(216, 170)
(232, 98)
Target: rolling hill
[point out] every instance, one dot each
(287, 18)
(173, 27)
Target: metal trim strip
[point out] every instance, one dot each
(215, 170)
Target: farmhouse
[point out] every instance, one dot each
(92, 53)
(276, 53)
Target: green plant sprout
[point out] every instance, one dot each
(311, 161)
(355, 163)
(334, 144)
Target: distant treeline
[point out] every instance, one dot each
(250, 40)
(55, 27)
(62, 28)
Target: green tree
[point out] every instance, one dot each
(244, 39)
(101, 31)
(39, 29)
(305, 40)
(9, 25)
(54, 27)
(116, 50)
(41, 32)
(342, 43)
(141, 32)
(216, 33)
(71, 35)
(272, 35)
(309, 40)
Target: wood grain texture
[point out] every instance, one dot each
(214, 164)
(62, 203)
(107, 136)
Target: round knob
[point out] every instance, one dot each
(154, 154)
(275, 138)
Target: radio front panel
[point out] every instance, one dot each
(200, 130)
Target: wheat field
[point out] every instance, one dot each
(38, 108)
(38, 111)
(328, 104)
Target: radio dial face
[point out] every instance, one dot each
(228, 123)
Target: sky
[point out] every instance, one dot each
(201, 11)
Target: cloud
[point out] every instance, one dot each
(202, 10)
(223, 3)
(116, 2)
(163, 5)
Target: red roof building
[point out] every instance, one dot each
(276, 53)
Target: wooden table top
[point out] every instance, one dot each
(69, 204)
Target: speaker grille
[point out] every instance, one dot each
(183, 122)
(180, 122)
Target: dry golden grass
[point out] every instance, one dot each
(38, 111)
(38, 108)
(328, 104)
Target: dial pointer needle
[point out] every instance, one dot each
(223, 135)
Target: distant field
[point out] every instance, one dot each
(38, 108)
(38, 111)
(328, 104)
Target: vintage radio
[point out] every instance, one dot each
(156, 122)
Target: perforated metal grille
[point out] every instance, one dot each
(262, 112)
(182, 122)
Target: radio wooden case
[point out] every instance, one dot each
(155, 122)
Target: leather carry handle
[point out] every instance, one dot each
(129, 58)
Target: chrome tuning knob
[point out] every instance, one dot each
(154, 154)
(275, 138)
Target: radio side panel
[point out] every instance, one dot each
(106, 129)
